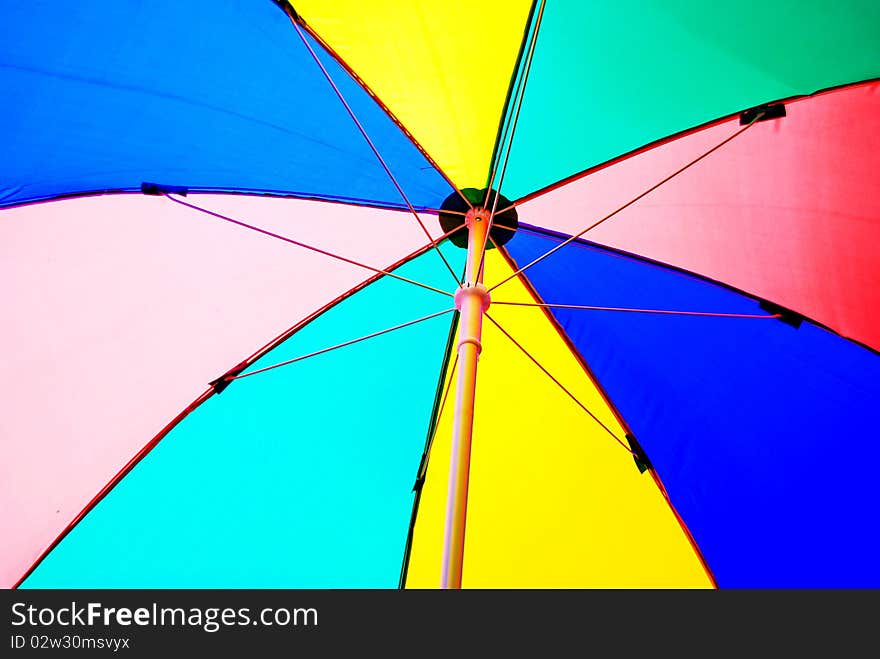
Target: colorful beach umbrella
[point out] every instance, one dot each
(521, 294)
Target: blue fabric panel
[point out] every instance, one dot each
(223, 96)
(762, 433)
(298, 477)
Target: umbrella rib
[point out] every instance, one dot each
(424, 467)
(229, 378)
(420, 476)
(438, 211)
(362, 83)
(517, 98)
(372, 146)
(520, 95)
(512, 94)
(312, 247)
(631, 201)
(667, 312)
(562, 386)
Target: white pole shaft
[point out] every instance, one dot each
(472, 301)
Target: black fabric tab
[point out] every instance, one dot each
(288, 8)
(158, 189)
(419, 484)
(222, 382)
(787, 316)
(770, 110)
(640, 457)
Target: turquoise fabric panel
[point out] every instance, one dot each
(297, 477)
(611, 76)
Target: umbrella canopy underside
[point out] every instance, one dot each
(679, 363)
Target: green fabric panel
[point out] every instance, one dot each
(612, 76)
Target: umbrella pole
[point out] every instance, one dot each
(472, 300)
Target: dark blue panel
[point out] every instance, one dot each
(763, 434)
(104, 95)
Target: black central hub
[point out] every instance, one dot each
(454, 208)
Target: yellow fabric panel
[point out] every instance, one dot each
(554, 501)
(443, 68)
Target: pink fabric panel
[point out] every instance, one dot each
(789, 211)
(119, 310)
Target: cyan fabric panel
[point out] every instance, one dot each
(296, 477)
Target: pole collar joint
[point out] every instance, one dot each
(474, 341)
(468, 290)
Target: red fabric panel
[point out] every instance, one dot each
(788, 211)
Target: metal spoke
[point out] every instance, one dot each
(370, 143)
(312, 247)
(229, 378)
(669, 312)
(631, 202)
(562, 386)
